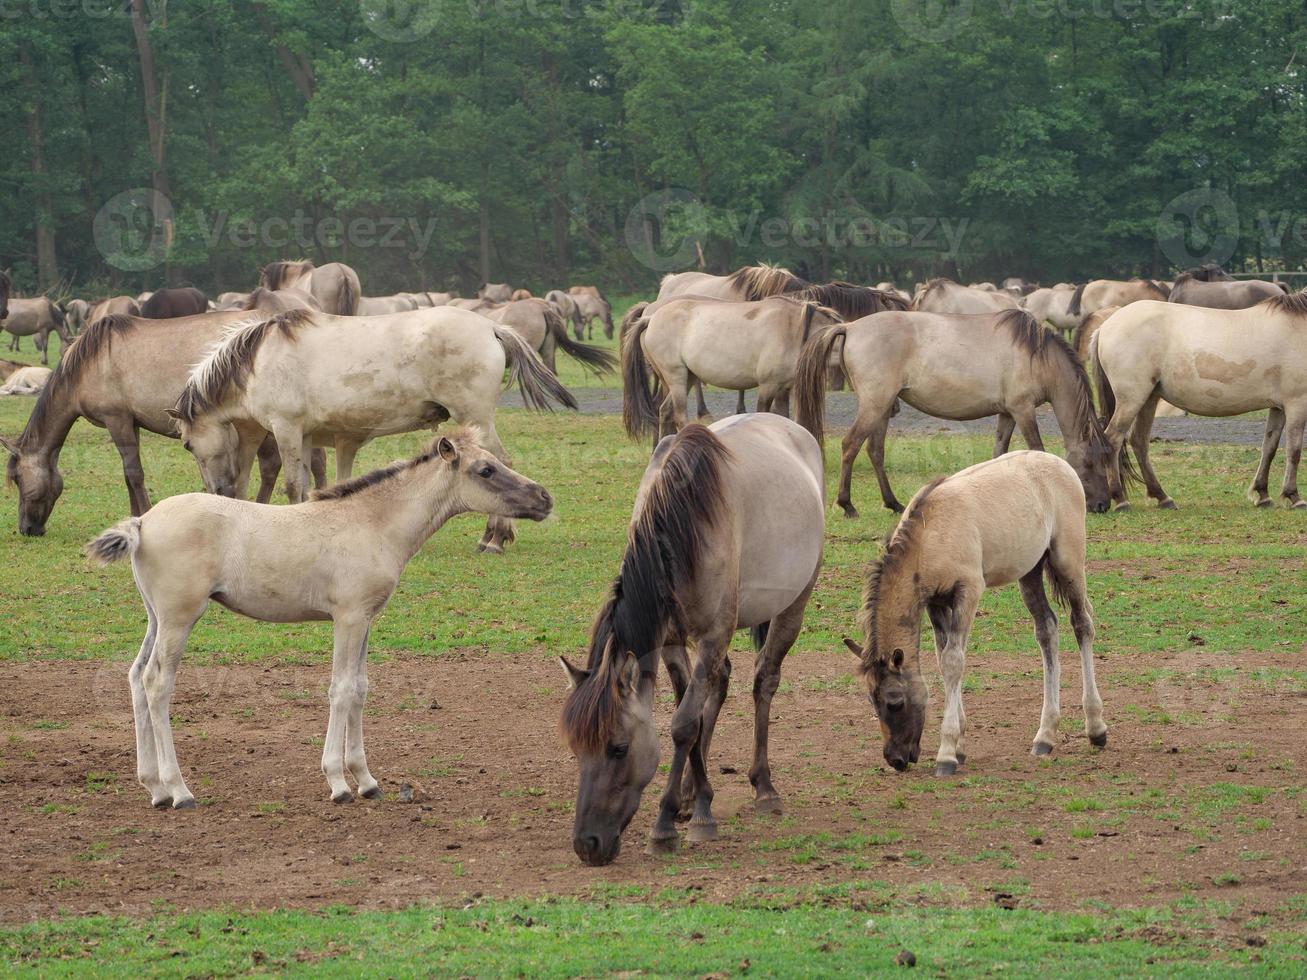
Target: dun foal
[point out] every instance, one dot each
(1016, 518)
(336, 557)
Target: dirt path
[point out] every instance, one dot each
(1188, 799)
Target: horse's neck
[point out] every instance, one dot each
(408, 510)
(899, 603)
(54, 423)
(1063, 388)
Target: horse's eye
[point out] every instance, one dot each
(618, 751)
(486, 472)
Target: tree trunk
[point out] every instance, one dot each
(299, 67)
(47, 272)
(155, 93)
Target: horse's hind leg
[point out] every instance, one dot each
(701, 405)
(1003, 435)
(1140, 436)
(147, 753)
(698, 770)
(356, 760)
(1270, 443)
(1032, 592)
(1066, 559)
(158, 679)
(269, 467)
(852, 443)
(1296, 419)
(876, 452)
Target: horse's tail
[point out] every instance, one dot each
(1107, 407)
(119, 542)
(640, 390)
(810, 381)
(1073, 308)
(595, 358)
(633, 314)
(349, 297)
(608, 314)
(539, 385)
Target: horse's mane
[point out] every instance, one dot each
(684, 501)
(1294, 304)
(273, 274)
(94, 342)
(1155, 286)
(755, 282)
(899, 543)
(1045, 346)
(227, 365)
(1210, 272)
(852, 302)
(461, 438)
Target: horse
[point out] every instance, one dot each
(375, 305)
(123, 305)
(520, 294)
(495, 292)
(1085, 334)
(543, 327)
(8, 367)
(122, 374)
(736, 346)
(424, 300)
(301, 377)
(76, 313)
(1053, 306)
(726, 535)
(1206, 362)
(1017, 518)
(273, 301)
(474, 305)
(946, 296)
(232, 301)
(6, 287)
(338, 557)
(37, 317)
(26, 380)
(334, 285)
(168, 304)
(565, 304)
(1222, 294)
(591, 305)
(1023, 287)
(1092, 296)
(955, 367)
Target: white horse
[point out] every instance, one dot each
(305, 378)
(337, 558)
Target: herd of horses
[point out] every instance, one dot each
(728, 527)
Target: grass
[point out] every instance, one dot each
(567, 938)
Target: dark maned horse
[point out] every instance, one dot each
(165, 304)
(6, 286)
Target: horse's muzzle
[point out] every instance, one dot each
(594, 853)
(538, 506)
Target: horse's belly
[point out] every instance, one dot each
(1210, 396)
(946, 402)
(269, 608)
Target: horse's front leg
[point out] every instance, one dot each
(1296, 419)
(1003, 436)
(126, 438)
(1036, 600)
(350, 632)
(269, 467)
(1270, 443)
(1026, 422)
(291, 446)
(952, 663)
(356, 760)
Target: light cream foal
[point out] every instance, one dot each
(338, 557)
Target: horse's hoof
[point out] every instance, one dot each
(490, 549)
(186, 804)
(345, 796)
(1099, 741)
(664, 845)
(850, 512)
(896, 507)
(1265, 502)
(962, 757)
(1042, 748)
(371, 794)
(481, 546)
(768, 806)
(1300, 505)
(162, 804)
(946, 768)
(700, 833)
(1166, 503)
(1122, 507)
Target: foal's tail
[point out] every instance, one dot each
(634, 314)
(539, 385)
(348, 298)
(115, 544)
(595, 358)
(641, 392)
(810, 381)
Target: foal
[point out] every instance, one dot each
(1012, 519)
(336, 557)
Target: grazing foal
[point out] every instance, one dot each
(338, 557)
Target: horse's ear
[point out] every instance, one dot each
(854, 649)
(448, 451)
(10, 447)
(628, 677)
(575, 675)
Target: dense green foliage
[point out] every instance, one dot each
(858, 138)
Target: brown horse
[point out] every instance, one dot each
(1204, 287)
(123, 305)
(1012, 519)
(726, 535)
(955, 367)
(946, 296)
(6, 287)
(495, 292)
(168, 304)
(274, 301)
(334, 285)
(591, 305)
(37, 317)
(542, 326)
(122, 374)
(1092, 296)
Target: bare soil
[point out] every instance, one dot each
(1157, 815)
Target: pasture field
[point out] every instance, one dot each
(1180, 849)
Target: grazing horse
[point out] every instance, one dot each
(947, 296)
(736, 346)
(37, 317)
(1017, 518)
(565, 304)
(274, 301)
(726, 535)
(1191, 289)
(955, 367)
(495, 292)
(301, 377)
(1207, 362)
(168, 304)
(1092, 296)
(124, 305)
(543, 327)
(77, 312)
(339, 558)
(592, 305)
(335, 285)
(122, 374)
(375, 305)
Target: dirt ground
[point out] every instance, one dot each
(1161, 813)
